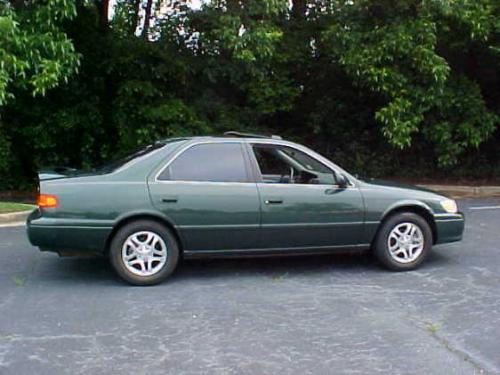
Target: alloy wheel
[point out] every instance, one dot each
(405, 242)
(144, 253)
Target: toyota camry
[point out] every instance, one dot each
(233, 195)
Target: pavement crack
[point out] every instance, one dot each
(432, 330)
(464, 356)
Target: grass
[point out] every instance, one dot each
(19, 280)
(432, 327)
(279, 278)
(6, 207)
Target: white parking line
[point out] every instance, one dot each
(485, 208)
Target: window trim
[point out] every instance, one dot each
(249, 175)
(254, 174)
(258, 173)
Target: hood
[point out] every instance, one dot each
(384, 183)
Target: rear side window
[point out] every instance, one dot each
(211, 162)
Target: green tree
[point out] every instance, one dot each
(398, 50)
(381, 86)
(35, 53)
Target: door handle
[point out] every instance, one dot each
(274, 201)
(331, 191)
(169, 200)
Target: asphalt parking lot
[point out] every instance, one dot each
(337, 314)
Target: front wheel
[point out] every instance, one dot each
(144, 252)
(403, 242)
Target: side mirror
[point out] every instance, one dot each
(342, 181)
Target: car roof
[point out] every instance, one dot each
(228, 136)
(228, 139)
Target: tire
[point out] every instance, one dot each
(140, 241)
(408, 252)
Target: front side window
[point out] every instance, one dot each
(282, 164)
(210, 162)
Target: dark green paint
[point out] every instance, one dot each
(211, 215)
(227, 218)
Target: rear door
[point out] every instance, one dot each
(302, 206)
(206, 190)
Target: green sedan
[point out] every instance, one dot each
(232, 195)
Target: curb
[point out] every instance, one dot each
(14, 217)
(461, 191)
(14, 224)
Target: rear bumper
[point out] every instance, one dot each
(449, 227)
(66, 237)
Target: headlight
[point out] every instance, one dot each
(449, 206)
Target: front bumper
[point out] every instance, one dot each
(449, 227)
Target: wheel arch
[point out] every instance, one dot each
(417, 208)
(153, 216)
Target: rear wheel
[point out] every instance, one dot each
(403, 242)
(144, 252)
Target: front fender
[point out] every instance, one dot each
(406, 203)
(377, 213)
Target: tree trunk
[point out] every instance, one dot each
(135, 17)
(299, 8)
(17, 4)
(472, 63)
(147, 19)
(104, 14)
(233, 5)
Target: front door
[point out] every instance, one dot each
(301, 204)
(207, 193)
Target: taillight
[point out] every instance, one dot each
(47, 201)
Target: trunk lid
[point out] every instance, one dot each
(57, 173)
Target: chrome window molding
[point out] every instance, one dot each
(187, 182)
(314, 155)
(327, 163)
(184, 149)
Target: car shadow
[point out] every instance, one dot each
(303, 264)
(75, 270)
(346, 263)
(98, 270)
(442, 256)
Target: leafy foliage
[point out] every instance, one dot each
(394, 53)
(381, 86)
(35, 53)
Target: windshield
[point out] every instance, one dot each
(132, 155)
